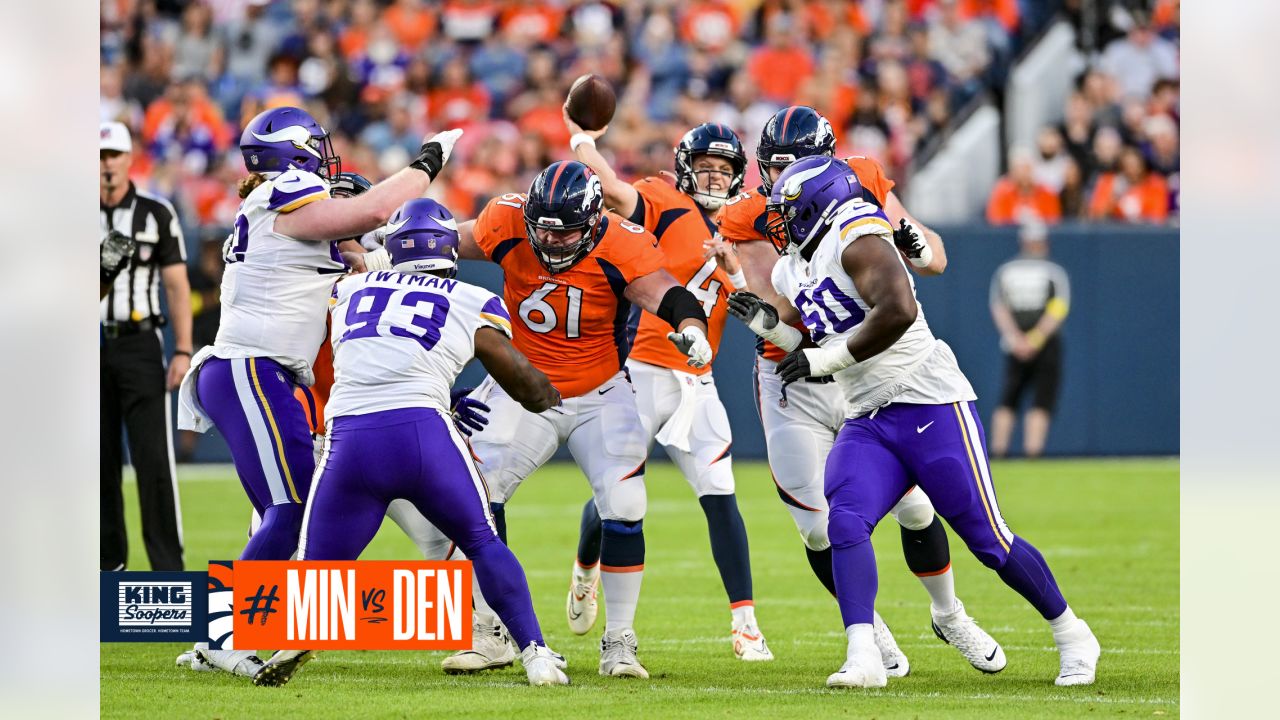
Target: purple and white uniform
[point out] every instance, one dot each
(910, 420)
(274, 295)
(399, 342)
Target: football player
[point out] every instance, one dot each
(571, 272)
(679, 405)
(910, 415)
(400, 338)
(281, 265)
(801, 420)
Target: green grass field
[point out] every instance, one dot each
(1109, 528)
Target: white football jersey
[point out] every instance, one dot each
(918, 368)
(400, 339)
(276, 289)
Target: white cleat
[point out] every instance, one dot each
(1078, 652)
(192, 660)
(891, 656)
(491, 648)
(618, 655)
(543, 665)
(749, 645)
(582, 606)
(961, 632)
(281, 666)
(863, 668)
(245, 663)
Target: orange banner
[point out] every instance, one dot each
(356, 605)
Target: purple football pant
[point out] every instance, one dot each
(942, 448)
(252, 404)
(415, 454)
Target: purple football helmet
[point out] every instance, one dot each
(804, 200)
(422, 236)
(286, 137)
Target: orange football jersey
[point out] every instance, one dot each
(743, 218)
(572, 324)
(681, 227)
(313, 399)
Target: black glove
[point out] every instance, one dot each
(745, 306)
(114, 254)
(795, 366)
(909, 240)
(468, 414)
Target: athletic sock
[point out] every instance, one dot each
(744, 613)
(590, 533)
(820, 561)
(729, 544)
(499, 513)
(621, 571)
(1027, 573)
(1063, 622)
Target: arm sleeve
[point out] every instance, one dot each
(294, 188)
(171, 248)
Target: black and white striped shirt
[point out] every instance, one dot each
(1028, 286)
(151, 221)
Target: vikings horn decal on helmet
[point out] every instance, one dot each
(280, 138)
(422, 236)
(805, 199)
(716, 140)
(792, 133)
(562, 214)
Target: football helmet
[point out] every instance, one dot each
(805, 199)
(348, 184)
(422, 236)
(792, 133)
(566, 197)
(709, 139)
(280, 138)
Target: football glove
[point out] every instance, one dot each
(435, 152)
(468, 413)
(761, 318)
(114, 254)
(692, 342)
(913, 244)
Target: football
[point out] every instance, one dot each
(591, 102)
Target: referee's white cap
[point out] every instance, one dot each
(114, 136)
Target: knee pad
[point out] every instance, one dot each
(813, 528)
(626, 502)
(914, 511)
(846, 528)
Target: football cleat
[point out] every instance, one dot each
(961, 632)
(863, 668)
(618, 655)
(543, 665)
(281, 666)
(491, 648)
(192, 660)
(891, 656)
(582, 606)
(237, 662)
(749, 645)
(1078, 652)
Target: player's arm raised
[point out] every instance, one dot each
(619, 195)
(525, 384)
(886, 288)
(922, 246)
(659, 293)
(352, 217)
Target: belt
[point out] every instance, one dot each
(110, 331)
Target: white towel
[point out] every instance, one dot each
(675, 431)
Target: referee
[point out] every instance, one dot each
(1030, 297)
(135, 383)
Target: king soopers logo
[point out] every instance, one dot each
(155, 603)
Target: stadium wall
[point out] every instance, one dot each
(1119, 394)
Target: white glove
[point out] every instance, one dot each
(447, 140)
(378, 259)
(435, 152)
(693, 343)
(374, 239)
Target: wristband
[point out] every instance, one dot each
(378, 259)
(828, 360)
(182, 352)
(783, 335)
(926, 256)
(581, 139)
(739, 280)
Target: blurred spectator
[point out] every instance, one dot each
(457, 100)
(782, 64)
(961, 46)
(468, 21)
(398, 128)
(708, 25)
(250, 42)
(1141, 58)
(411, 22)
(1073, 198)
(1018, 198)
(1167, 19)
(1133, 194)
(499, 65)
(532, 22)
(1164, 98)
(890, 42)
(1161, 149)
(198, 51)
(1106, 151)
(1051, 160)
(1077, 129)
(666, 62)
